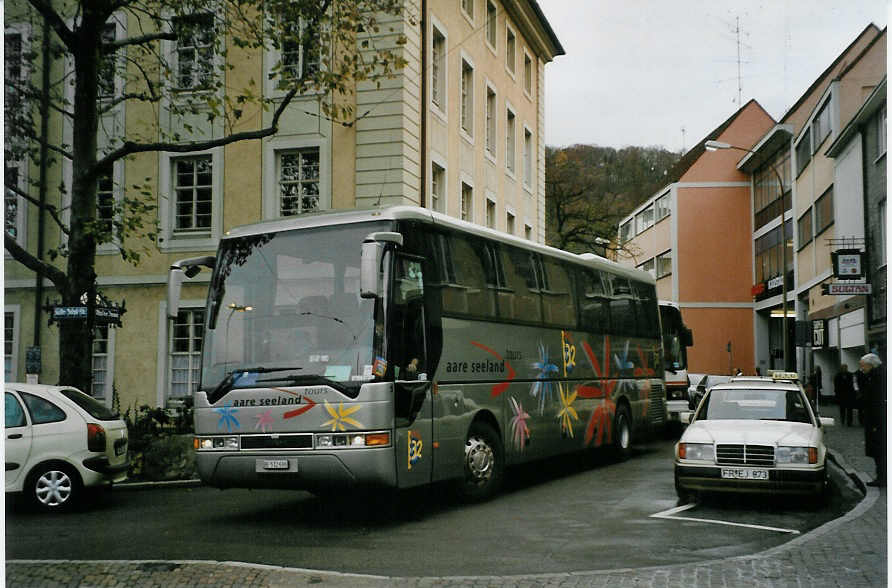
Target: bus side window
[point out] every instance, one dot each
(407, 328)
(594, 310)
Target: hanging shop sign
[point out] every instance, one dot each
(848, 264)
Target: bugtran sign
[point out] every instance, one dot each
(843, 289)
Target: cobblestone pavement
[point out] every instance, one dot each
(847, 552)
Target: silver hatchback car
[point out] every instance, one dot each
(58, 442)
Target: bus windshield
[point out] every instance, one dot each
(284, 308)
(675, 336)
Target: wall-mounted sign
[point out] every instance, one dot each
(848, 263)
(817, 334)
(775, 282)
(844, 289)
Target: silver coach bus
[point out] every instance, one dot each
(397, 347)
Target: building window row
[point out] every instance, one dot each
(646, 218)
(659, 266)
(768, 251)
(769, 201)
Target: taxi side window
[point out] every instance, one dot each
(13, 411)
(42, 411)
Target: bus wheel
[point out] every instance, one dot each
(622, 433)
(484, 463)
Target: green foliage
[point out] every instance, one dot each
(588, 189)
(160, 444)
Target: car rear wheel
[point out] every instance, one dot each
(54, 487)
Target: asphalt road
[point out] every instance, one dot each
(565, 515)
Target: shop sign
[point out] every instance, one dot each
(817, 333)
(844, 289)
(847, 263)
(775, 282)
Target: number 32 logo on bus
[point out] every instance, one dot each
(414, 445)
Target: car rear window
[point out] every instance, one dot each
(42, 411)
(91, 405)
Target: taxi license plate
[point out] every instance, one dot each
(744, 474)
(273, 464)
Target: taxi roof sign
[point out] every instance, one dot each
(784, 375)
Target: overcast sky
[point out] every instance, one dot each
(637, 72)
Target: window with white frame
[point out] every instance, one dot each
(881, 132)
(467, 202)
(803, 152)
(821, 126)
(467, 6)
(509, 223)
(510, 140)
(527, 157)
(298, 62)
(184, 353)
(644, 219)
(298, 177)
(490, 213)
(194, 51)
(490, 122)
(527, 73)
(510, 50)
(10, 345)
(438, 186)
(626, 231)
(101, 377)
(193, 194)
(491, 14)
(467, 97)
(664, 264)
(662, 207)
(105, 203)
(438, 69)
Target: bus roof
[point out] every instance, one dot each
(344, 217)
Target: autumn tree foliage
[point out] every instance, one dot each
(175, 60)
(589, 189)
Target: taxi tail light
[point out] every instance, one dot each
(812, 455)
(95, 437)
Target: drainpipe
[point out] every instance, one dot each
(423, 158)
(44, 132)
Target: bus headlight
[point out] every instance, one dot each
(352, 440)
(229, 443)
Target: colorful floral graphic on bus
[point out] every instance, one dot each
(299, 411)
(520, 432)
(543, 388)
(264, 421)
(227, 417)
(567, 413)
(601, 419)
(644, 371)
(340, 416)
(569, 352)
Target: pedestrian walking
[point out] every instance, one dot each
(844, 389)
(872, 385)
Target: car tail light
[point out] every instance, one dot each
(95, 437)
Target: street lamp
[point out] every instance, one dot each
(716, 145)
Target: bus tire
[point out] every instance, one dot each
(622, 433)
(484, 463)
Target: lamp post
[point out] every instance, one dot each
(716, 145)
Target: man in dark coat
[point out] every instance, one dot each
(872, 385)
(844, 388)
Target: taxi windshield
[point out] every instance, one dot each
(755, 404)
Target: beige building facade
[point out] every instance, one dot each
(460, 129)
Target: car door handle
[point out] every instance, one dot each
(15, 436)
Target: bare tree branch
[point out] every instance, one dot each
(41, 268)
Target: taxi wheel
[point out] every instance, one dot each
(484, 463)
(53, 487)
(622, 434)
(684, 496)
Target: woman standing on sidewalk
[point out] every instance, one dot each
(872, 385)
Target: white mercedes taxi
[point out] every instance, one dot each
(58, 442)
(753, 436)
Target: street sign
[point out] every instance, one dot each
(103, 314)
(848, 263)
(843, 289)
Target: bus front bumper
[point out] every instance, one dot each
(311, 471)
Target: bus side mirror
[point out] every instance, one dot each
(370, 262)
(687, 338)
(179, 271)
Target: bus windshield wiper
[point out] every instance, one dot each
(229, 382)
(308, 380)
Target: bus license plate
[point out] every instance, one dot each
(744, 474)
(274, 464)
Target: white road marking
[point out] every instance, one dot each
(670, 514)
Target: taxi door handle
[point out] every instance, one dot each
(15, 436)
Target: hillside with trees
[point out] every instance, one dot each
(588, 189)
